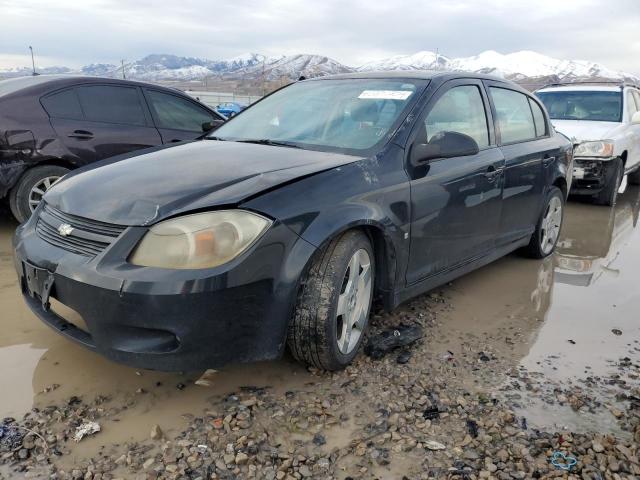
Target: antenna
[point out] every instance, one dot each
(33, 62)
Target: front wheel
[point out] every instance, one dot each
(332, 311)
(545, 237)
(609, 194)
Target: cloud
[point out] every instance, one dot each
(353, 32)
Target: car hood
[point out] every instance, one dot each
(583, 130)
(146, 188)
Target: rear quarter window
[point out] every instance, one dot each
(63, 104)
(538, 119)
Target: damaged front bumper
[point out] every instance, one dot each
(591, 175)
(172, 320)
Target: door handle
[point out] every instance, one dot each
(175, 140)
(493, 173)
(81, 134)
(547, 159)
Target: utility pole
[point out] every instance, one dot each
(124, 76)
(33, 62)
(263, 75)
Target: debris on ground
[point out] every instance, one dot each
(87, 428)
(384, 342)
(206, 379)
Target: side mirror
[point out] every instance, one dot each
(444, 145)
(635, 119)
(208, 126)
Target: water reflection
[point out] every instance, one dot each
(592, 239)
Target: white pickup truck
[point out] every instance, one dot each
(603, 121)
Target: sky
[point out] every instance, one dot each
(78, 32)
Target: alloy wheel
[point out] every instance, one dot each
(39, 189)
(354, 301)
(551, 222)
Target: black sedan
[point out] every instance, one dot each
(52, 124)
(282, 226)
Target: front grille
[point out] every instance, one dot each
(88, 237)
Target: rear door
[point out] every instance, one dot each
(100, 121)
(455, 202)
(523, 135)
(178, 118)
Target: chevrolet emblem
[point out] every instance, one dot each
(65, 229)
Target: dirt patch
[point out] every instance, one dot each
(521, 360)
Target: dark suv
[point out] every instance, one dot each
(52, 124)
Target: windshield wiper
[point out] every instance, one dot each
(219, 139)
(266, 141)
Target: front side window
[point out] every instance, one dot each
(111, 104)
(63, 104)
(177, 113)
(346, 115)
(460, 110)
(593, 105)
(513, 115)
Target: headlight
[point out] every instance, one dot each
(594, 149)
(202, 240)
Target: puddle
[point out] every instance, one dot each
(553, 318)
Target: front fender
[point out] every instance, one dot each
(372, 194)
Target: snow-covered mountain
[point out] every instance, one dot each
(292, 67)
(515, 66)
(519, 66)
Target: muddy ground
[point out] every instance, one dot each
(521, 360)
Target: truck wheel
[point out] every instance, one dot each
(634, 178)
(609, 193)
(545, 237)
(27, 193)
(332, 310)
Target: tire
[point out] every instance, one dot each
(19, 197)
(634, 177)
(609, 193)
(548, 224)
(317, 333)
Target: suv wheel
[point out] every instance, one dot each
(332, 312)
(28, 192)
(545, 237)
(634, 178)
(609, 193)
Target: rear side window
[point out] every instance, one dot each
(636, 95)
(461, 110)
(63, 104)
(177, 113)
(514, 117)
(631, 104)
(538, 119)
(111, 104)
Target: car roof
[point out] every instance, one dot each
(415, 74)
(40, 84)
(580, 88)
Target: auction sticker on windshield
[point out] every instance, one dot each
(385, 94)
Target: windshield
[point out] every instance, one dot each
(583, 105)
(350, 115)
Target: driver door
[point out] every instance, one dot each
(455, 202)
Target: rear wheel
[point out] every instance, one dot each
(28, 192)
(609, 193)
(545, 237)
(332, 311)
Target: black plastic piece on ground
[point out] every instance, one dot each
(381, 344)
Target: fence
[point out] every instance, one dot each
(216, 98)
